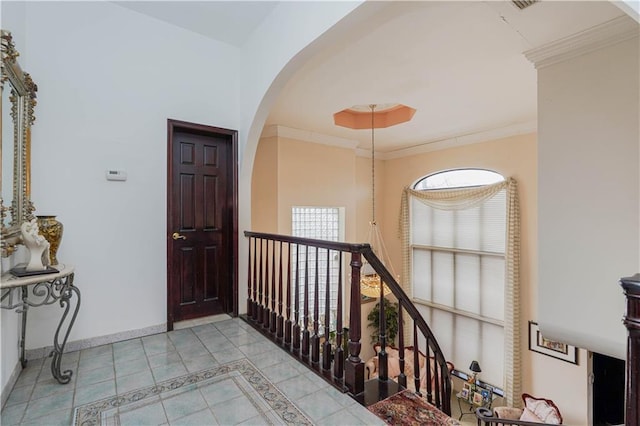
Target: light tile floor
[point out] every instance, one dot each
(114, 369)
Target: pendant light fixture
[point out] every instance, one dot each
(374, 116)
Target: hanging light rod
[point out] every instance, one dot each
(386, 115)
(374, 116)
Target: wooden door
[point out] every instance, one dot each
(201, 221)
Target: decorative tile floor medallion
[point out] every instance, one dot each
(218, 388)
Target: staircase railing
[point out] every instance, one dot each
(289, 300)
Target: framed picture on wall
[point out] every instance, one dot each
(562, 351)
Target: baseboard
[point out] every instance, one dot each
(8, 387)
(97, 341)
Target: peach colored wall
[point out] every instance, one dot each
(363, 195)
(264, 187)
(310, 174)
(512, 157)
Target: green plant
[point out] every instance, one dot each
(391, 316)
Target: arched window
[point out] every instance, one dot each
(458, 178)
(457, 258)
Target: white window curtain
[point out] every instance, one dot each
(466, 198)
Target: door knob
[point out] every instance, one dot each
(177, 236)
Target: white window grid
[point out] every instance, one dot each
(322, 223)
(452, 314)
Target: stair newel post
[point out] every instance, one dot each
(631, 286)
(279, 331)
(338, 356)
(272, 321)
(296, 306)
(257, 314)
(287, 324)
(249, 282)
(267, 312)
(402, 378)
(383, 360)
(305, 322)
(354, 368)
(326, 346)
(315, 339)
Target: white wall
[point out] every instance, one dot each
(108, 79)
(589, 195)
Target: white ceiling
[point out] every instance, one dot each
(231, 22)
(460, 64)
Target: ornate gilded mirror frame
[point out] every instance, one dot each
(21, 102)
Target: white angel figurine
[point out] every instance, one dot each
(38, 246)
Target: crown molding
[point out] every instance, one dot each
(478, 137)
(597, 37)
(307, 136)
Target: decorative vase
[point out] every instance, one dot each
(51, 230)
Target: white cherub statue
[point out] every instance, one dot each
(38, 246)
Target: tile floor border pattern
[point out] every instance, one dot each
(93, 413)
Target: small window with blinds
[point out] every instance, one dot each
(458, 271)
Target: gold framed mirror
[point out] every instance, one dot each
(16, 118)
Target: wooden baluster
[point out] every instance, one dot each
(258, 313)
(315, 339)
(437, 378)
(402, 378)
(305, 322)
(296, 306)
(338, 356)
(254, 309)
(326, 346)
(416, 360)
(272, 322)
(354, 367)
(428, 376)
(383, 356)
(280, 320)
(287, 324)
(266, 313)
(631, 286)
(249, 283)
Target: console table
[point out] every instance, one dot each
(21, 293)
(468, 399)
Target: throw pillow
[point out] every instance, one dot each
(544, 409)
(529, 416)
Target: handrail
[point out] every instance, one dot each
(331, 245)
(487, 417)
(412, 311)
(291, 327)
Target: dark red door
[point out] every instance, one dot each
(201, 221)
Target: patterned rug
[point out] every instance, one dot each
(407, 409)
(271, 404)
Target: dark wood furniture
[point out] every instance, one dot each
(631, 286)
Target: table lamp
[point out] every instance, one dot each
(475, 368)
